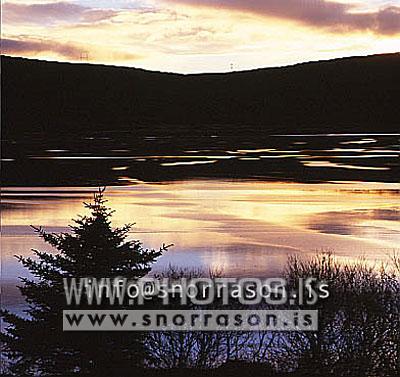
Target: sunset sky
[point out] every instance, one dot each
(199, 35)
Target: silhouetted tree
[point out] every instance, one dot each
(358, 324)
(37, 345)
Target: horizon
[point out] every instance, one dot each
(110, 65)
(199, 36)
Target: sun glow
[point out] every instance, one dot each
(179, 36)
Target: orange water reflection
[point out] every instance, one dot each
(245, 228)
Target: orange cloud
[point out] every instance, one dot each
(197, 36)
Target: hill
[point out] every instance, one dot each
(357, 94)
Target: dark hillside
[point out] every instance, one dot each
(357, 94)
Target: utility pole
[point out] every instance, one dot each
(84, 56)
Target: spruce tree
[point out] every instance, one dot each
(37, 345)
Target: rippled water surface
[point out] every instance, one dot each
(120, 158)
(240, 205)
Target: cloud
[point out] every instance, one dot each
(389, 20)
(182, 36)
(318, 13)
(32, 47)
(51, 13)
(68, 51)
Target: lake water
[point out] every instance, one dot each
(239, 205)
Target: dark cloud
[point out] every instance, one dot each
(50, 13)
(388, 20)
(320, 13)
(32, 47)
(97, 15)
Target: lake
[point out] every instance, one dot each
(239, 204)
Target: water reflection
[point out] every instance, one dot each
(236, 202)
(97, 159)
(245, 227)
(328, 164)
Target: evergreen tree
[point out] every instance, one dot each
(37, 345)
